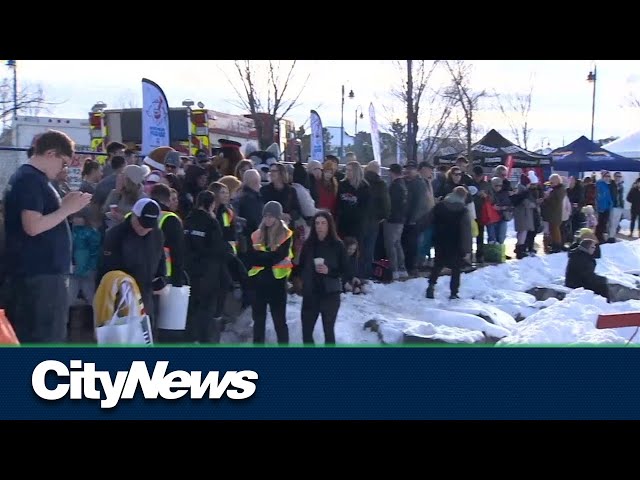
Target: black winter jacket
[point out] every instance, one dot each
(335, 258)
(207, 252)
(398, 196)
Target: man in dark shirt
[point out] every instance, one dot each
(136, 247)
(416, 210)
(38, 249)
(463, 164)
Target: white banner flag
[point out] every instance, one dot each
(155, 117)
(317, 137)
(375, 135)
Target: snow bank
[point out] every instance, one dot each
(492, 299)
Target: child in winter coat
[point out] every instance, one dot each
(590, 216)
(356, 286)
(86, 250)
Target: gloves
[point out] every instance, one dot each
(158, 284)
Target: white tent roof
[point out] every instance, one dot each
(628, 146)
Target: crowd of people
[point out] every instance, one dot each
(311, 229)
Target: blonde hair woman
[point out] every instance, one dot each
(270, 255)
(353, 202)
(232, 183)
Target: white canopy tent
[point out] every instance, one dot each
(627, 146)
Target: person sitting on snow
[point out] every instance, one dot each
(354, 285)
(587, 233)
(581, 269)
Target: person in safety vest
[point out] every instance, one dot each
(171, 227)
(173, 232)
(228, 220)
(225, 214)
(270, 254)
(207, 255)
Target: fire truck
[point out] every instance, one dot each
(190, 129)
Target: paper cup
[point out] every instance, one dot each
(318, 261)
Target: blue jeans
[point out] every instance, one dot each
(497, 232)
(367, 250)
(425, 242)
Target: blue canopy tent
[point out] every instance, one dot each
(582, 155)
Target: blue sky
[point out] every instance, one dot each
(561, 107)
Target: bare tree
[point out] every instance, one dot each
(268, 101)
(463, 96)
(428, 112)
(632, 100)
(128, 99)
(29, 98)
(440, 125)
(516, 108)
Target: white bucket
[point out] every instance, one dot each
(173, 308)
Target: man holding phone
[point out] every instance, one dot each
(38, 251)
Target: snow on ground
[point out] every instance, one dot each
(573, 321)
(491, 299)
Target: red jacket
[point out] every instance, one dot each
(327, 199)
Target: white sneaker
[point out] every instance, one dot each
(403, 274)
(395, 276)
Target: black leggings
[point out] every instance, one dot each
(325, 305)
(603, 225)
(529, 243)
(272, 293)
(635, 216)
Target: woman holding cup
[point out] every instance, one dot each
(324, 264)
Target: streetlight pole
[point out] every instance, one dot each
(13, 64)
(593, 78)
(355, 133)
(351, 95)
(542, 142)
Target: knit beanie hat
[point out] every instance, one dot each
(272, 208)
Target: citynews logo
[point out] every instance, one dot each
(84, 379)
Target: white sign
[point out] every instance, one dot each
(375, 135)
(317, 137)
(484, 149)
(155, 117)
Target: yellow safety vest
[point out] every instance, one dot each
(227, 219)
(167, 251)
(283, 268)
